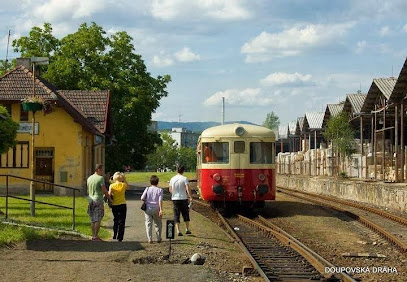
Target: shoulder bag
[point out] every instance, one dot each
(144, 205)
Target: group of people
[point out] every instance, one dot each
(153, 196)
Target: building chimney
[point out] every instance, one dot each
(25, 62)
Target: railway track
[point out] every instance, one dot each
(274, 254)
(393, 228)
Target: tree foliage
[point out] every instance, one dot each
(187, 157)
(90, 60)
(8, 131)
(168, 155)
(340, 133)
(165, 156)
(272, 121)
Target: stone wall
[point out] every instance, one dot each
(387, 195)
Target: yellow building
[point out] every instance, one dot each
(70, 133)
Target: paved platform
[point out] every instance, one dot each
(135, 222)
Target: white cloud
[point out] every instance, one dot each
(384, 31)
(55, 10)
(293, 41)
(185, 55)
(162, 60)
(405, 28)
(185, 9)
(245, 97)
(360, 46)
(287, 79)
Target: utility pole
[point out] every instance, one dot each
(223, 110)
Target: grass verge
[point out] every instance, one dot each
(144, 177)
(47, 216)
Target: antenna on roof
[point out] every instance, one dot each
(179, 118)
(8, 42)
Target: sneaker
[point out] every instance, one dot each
(159, 241)
(97, 239)
(180, 234)
(150, 242)
(188, 232)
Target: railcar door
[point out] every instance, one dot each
(239, 160)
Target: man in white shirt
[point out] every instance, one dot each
(181, 199)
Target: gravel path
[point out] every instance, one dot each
(75, 259)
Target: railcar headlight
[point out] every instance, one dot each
(262, 177)
(216, 177)
(239, 131)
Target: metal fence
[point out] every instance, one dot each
(74, 190)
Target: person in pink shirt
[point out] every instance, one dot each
(153, 197)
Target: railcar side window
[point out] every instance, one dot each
(261, 153)
(239, 147)
(215, 152)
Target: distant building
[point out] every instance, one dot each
(184, 138)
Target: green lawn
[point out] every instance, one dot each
(47, 216)
(144, 177)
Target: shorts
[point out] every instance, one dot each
(181, 207)
(96, 211)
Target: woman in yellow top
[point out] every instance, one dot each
(119, 208)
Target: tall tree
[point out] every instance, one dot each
(187, 157)
(39, 43)
(272, 121)
(165, 156)
(340, 133)
(8, 130)
(90, 60)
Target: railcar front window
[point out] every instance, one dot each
(215, 152)
(261, 153)
(239, 147)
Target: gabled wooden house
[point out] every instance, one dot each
(70, 132)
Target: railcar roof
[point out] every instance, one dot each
(228, 130)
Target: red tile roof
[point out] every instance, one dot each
(88, 108)
(93, 105)
(18, 84)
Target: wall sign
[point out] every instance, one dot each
(25, 127)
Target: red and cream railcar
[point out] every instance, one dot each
(236, 165)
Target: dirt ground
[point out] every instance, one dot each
(334, 235)
(78, 259)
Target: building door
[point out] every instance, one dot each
(44, 168)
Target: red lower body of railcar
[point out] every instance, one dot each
(237, 185)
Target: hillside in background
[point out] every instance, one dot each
(193, 126)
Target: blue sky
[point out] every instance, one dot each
(289, 57)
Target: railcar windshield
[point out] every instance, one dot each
(261, 153)
(215, 152)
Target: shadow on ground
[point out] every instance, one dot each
(82, 246)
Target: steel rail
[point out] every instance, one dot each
(315, 259)
(388, 236)
(386, 214)
(245, 250)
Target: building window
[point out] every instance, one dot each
(16, 157)
(23, 114)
